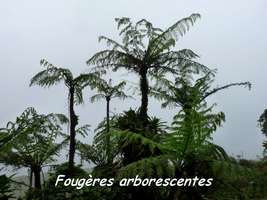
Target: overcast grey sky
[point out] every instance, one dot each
(231, 36)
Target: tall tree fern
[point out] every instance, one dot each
(53, 75)
(107, 91)
(146, 50)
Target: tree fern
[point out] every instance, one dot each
(147, 58)
(32, 141)
(107, 91)
(53, 75)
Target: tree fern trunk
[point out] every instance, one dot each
(108, 136)
(31, 177)
(73, 123)
(37, 177)
(144, 95)
(188, 126)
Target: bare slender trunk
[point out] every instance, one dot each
(31, 177)
(144, 95)
(73, 123)
(108, 134)
(37, 176)
(43, 177)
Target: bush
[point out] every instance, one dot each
(62, 192)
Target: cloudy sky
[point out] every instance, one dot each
(231, 36)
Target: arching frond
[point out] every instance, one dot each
(180, 27)
(216, 152)
(51, 75)
(115, 45)
(121, 95)
(116, 91)
(245, 84)
(131, 137)
(13, 159)
(31, 136)
(182, 61)
(97, 97)
(86, 79)
(122, 21)
(157, 166)
(172, 34)
(57, 118)
(51, 151)
(113, 58)
(83, 130)
(106, 90)
(91, 153)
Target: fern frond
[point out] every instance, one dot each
(83, 130)
(158, 166)
(51, 75)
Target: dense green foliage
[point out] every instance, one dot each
(6, 191)
(33, 142)
(133, 143)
